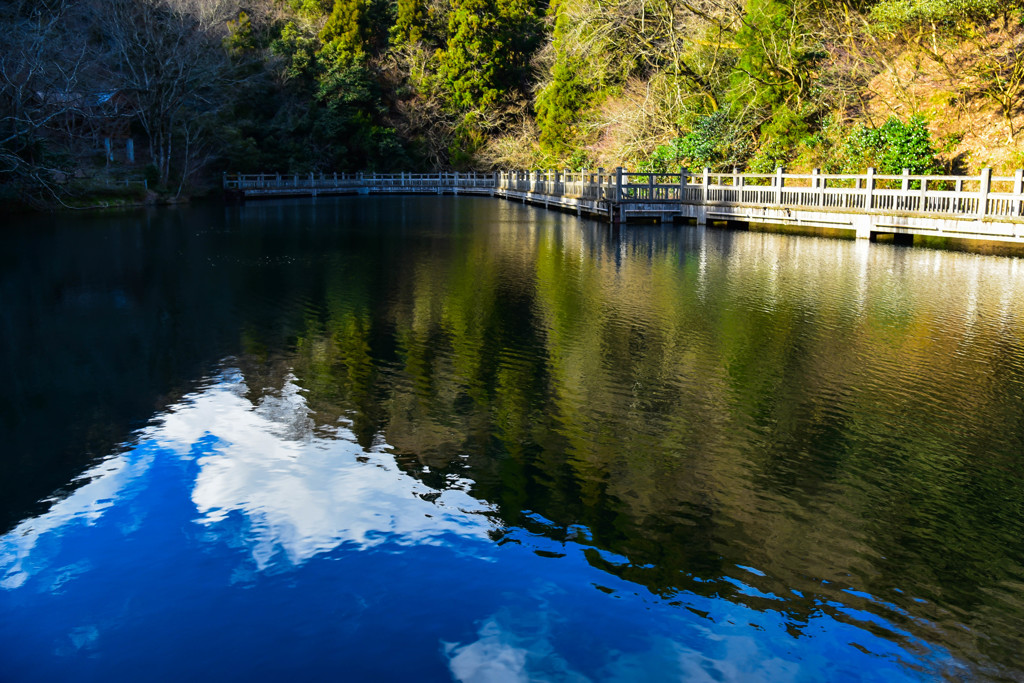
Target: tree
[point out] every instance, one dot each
(345, 32)
(560, 102)
(49, 103)
(488, 50)
(410, 22)
(169, 57)
(778, 55)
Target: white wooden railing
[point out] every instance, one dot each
(983, 197)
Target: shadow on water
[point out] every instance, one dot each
(798, 425)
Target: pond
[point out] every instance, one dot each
(439, 438)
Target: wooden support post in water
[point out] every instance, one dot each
(984, 188)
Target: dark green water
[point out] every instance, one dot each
(736, 455)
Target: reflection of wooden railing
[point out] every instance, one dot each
(983, 196)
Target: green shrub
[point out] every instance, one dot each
(892, 147)
(773, 155)
(894, 14)
(705, 146)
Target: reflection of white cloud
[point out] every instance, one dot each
(491, 659)
(719, 657)
(86, 504)
(301, 493)
(513, 649)
(501, 655)
(298, 491)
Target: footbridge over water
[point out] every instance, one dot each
(983, 207)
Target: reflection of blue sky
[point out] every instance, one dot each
(243, 542)
(298, 493)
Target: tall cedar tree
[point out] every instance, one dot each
(559, 104)
(488, 52)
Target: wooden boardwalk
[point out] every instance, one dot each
(983, 207)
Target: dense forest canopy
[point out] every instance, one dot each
(175, 91)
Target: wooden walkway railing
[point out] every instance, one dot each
(622, 195)
(983, 196)
(330, 181)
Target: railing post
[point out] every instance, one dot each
(618, 184)
(650, 186)
(224, 180)
(683, 182)
(779, 182)
(983, 190)
(706, 184)
(904, 200)
(816, 185)
(1018, 189)
(869, 190)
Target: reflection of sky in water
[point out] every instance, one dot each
(239, 541)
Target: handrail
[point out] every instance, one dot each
(978, 197)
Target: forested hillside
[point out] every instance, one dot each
(175, 91)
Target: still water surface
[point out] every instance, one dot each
(456, 438)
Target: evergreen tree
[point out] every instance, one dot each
(560, 102)
(409, 23)
(488, 50)
(345, 33)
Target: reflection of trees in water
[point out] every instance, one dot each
(696, 413)
(808, 408)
